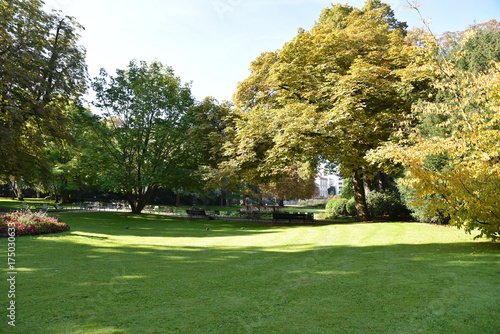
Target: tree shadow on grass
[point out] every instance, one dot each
(304, 288)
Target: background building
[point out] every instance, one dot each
(326, 182)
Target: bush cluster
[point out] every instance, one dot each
(385, 204)
(31, 223)
(339, 206)
(421, 210)
(380, 204)
(336, 207)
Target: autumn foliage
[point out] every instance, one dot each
(467, 187)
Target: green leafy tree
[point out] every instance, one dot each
(42, 68)
(334, 93)
(479, 51)
(474, 48)
(213, 122)
(144, 142)
(71, 162)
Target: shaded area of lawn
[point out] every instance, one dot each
(165, 275)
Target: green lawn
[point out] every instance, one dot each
(172, 275)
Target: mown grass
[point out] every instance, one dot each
(172, 275)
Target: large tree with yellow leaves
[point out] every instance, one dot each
(334, 93)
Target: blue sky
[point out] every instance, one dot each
(212, 42)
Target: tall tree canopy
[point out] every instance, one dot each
(334, 92)
(213, 124)
(474, 48)
(42, 68)
(69, 161)
(144, 142)
(479, 49)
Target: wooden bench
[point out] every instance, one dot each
(290, 216)
(196, 213)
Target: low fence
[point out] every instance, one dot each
(118, 207)
(262, 214)
(86, 207)
(251, 212)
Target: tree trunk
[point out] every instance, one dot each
(132, 201)
(139, 201)
(18, 190)
(65, 198)
(177, 199)
(359, 196)
(282, 202)
(381, 181)
(366, 185)
(20, 194)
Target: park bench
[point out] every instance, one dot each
(289, 216)
(196, 213)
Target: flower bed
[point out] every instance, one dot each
(31, 223)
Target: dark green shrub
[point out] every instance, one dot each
(420, 212)
(385, 204)
(351, 207)
(336, 207)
